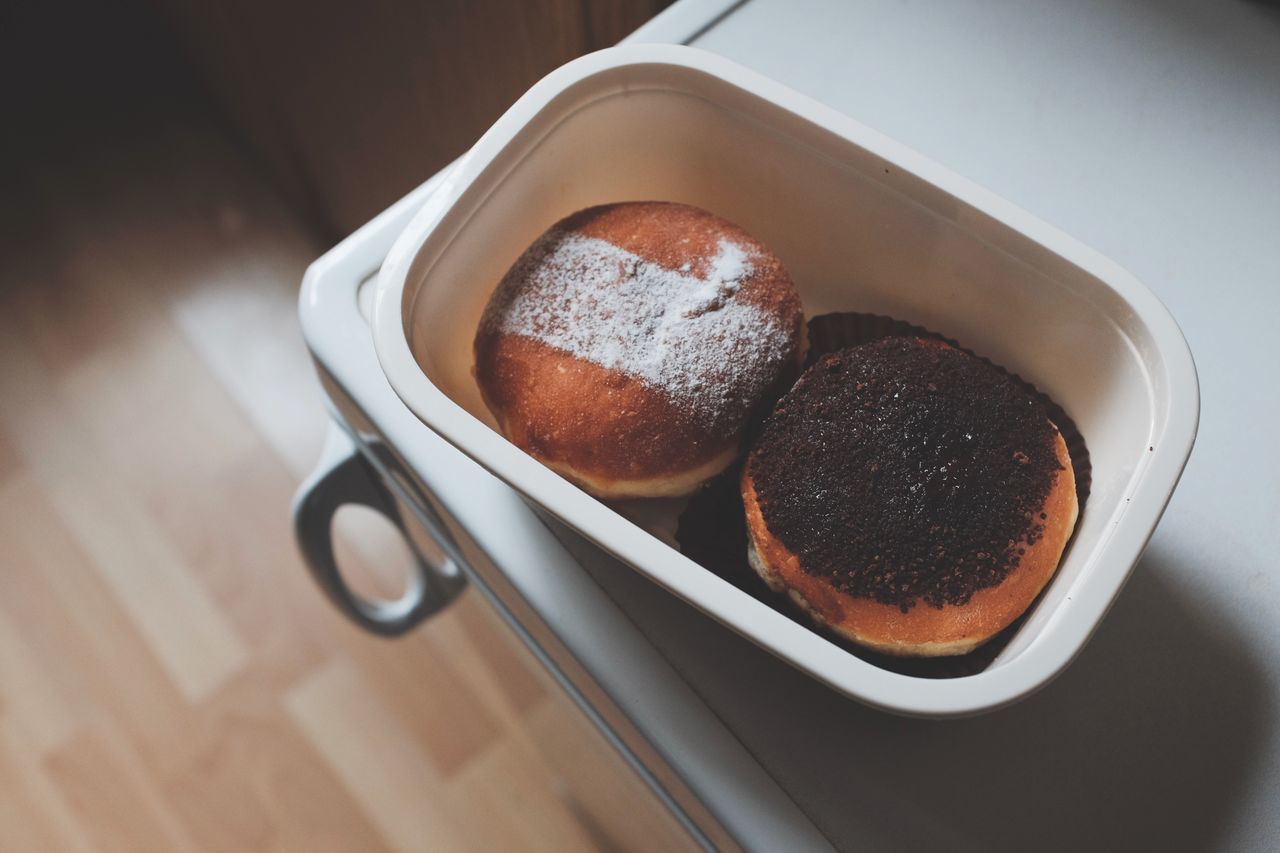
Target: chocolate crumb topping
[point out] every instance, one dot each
(906, 470)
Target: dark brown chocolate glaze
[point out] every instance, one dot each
(842, 329)
(906, 470)
(713, 533)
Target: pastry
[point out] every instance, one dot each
(911, 497)
(632, 344)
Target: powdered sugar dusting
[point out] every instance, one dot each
(685, 334)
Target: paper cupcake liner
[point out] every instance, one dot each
(712, 530)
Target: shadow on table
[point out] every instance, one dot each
(1144, 743)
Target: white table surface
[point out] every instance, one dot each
(1151, 131)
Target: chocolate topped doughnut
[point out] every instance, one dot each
(631, 344)
(911, 496)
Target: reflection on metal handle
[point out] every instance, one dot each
(345, 477)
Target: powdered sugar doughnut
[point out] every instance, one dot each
(630, 346)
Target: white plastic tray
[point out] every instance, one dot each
(863, 224)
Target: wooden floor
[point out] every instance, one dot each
(169, 677)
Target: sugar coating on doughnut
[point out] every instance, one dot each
(682, 331)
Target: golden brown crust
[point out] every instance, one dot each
(922, 631)
(611, 433)
(597, 427)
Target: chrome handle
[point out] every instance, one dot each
(342, 477)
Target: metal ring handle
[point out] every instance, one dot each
(344, 477)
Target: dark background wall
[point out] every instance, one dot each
(346, 105)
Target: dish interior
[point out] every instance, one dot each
(856, 232)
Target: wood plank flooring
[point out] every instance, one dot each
(169, 677)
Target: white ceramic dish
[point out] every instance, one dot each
(863, 224)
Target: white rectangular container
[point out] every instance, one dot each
(863, 224)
